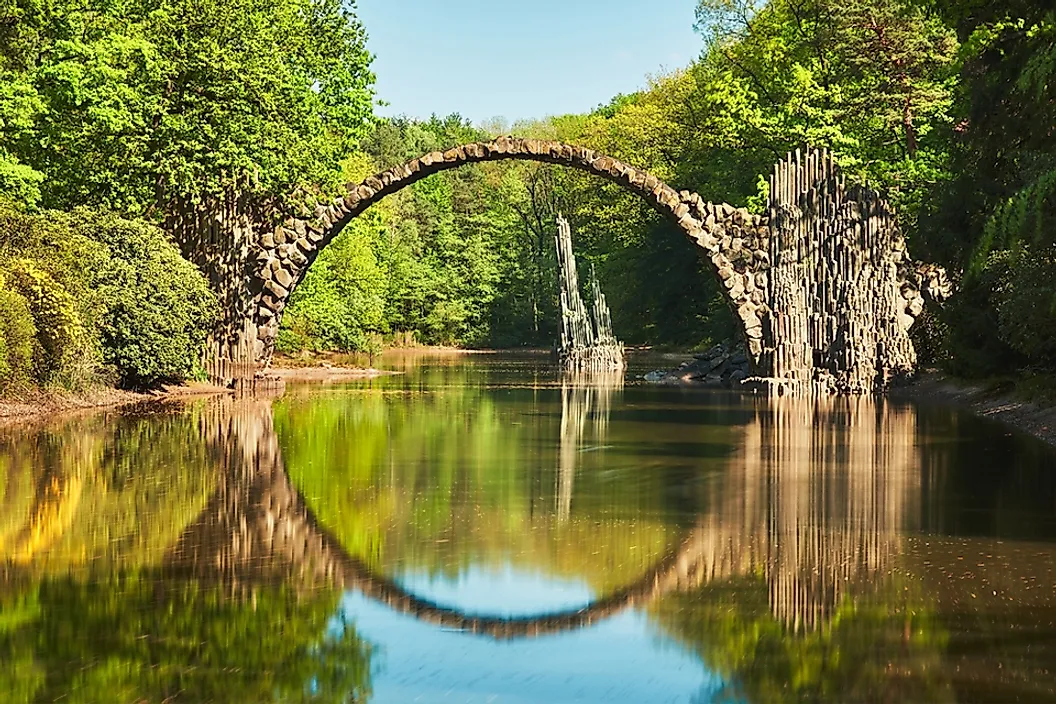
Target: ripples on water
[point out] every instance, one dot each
(477, 530)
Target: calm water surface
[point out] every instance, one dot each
(479, 530)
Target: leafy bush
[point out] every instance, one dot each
(17, 334)
(1026, 305)
(158, 306)
(60, 333)
(975, 342)
(1004, 318)
(107, 298)
(48, 266)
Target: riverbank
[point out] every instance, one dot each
(1005, 406)
(47, 403)
(42, 404)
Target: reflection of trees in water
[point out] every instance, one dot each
(108, 610)
(132, 638)
(584, 397)
(437, 482)
(73, 493)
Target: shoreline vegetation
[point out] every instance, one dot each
(1004, 403)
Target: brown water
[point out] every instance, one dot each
(478, 530)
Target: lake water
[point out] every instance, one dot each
(480, 530)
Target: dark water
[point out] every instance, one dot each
(477, 531)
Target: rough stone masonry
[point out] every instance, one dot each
(820, 284)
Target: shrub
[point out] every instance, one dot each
(60, 334)
(1026, 305)
(100, 290)
(158, 306)
(1004, 318)
(48, 265)
(17, 334)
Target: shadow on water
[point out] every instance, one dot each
(522, 540)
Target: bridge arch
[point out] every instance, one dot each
(735, 242)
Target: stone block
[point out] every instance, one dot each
(276, 290)
(283, 278)
(269, 301)
(267, 332)
(297, 258)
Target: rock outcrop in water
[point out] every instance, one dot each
(587, 343)
(725, 365)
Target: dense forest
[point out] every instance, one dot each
(112, 112)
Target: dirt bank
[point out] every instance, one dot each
(34, 404)
(1037, 419)
(46, 403)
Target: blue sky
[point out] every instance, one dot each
(521, 59)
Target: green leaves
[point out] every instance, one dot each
(126, 106)
(104, 294)
(159, 308)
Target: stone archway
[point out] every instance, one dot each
(821, 284)
(288, 250)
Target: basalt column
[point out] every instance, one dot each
(842, 288)
(587, 343)
(218, 234)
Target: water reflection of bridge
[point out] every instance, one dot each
(814, 499)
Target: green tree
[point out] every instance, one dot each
(125, 105)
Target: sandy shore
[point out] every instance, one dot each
(1036, 419)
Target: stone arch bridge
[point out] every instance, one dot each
(821, 284)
